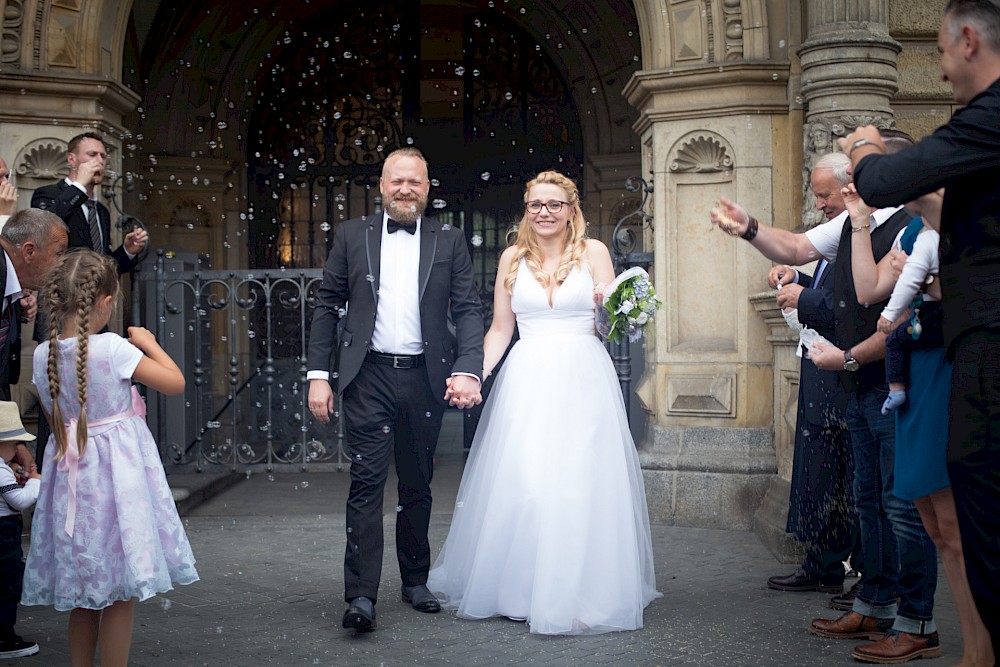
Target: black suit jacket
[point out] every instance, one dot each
(816, 302)
(10, 349)
(66, 200)
(451, 315)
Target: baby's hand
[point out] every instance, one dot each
(884, 325)
(141, 337)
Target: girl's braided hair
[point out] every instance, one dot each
(78, 280)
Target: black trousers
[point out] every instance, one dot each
(11, 573)
(390, 414)
(974, 466)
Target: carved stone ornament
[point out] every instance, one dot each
(13, 25)
(702, 154)
(847, 124)
(43, 161)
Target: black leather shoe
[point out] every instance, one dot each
(799, 581)
(845, 601)
(421, 599)
(360, 615)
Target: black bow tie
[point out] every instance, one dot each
(392, 226)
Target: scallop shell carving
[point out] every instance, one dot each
(46, 162)
(702, 155)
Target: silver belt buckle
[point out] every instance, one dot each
(397, 362)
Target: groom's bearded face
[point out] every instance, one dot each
(404, 187)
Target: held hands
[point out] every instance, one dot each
(136, 240)
(884, 325)
(320, 400)
(730, 217)
(463, 391)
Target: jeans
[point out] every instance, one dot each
(898, 556)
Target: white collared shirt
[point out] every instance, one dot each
(13, 292)
(826, 237)
(397, 318)
(86, 206)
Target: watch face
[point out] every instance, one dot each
(851, 365)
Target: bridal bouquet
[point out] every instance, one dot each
(630, 302)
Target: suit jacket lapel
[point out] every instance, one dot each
(428, 248)
(373, 252)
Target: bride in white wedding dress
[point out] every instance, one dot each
(550, 525)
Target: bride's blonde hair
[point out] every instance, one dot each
(526, 241)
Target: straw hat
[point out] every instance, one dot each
(11, 427)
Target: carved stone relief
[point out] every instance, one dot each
(64, 38)
(733, 18)
(702, 152)
(13, 23)
(42, 160)
(687, 32)
(696, 394)
(819, 137)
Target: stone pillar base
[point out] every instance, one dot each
(706, 477)
(769, 523)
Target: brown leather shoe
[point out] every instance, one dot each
(896, 647)
(851, 625)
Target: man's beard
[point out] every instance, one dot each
(407, 211)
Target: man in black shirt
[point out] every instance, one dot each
(964, 158)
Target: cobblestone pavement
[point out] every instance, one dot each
(270, 553)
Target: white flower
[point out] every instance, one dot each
(642, 318)
(626, 307)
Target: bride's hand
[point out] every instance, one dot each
(599, 293)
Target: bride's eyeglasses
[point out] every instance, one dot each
(554, 206)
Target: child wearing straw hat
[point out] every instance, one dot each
(14, 498)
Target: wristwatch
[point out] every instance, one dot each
(850, 363)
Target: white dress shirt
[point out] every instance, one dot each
(826, 237)
(397, 318)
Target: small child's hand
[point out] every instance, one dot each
(141, 337)
(884, 325)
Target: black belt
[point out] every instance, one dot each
(396, 360)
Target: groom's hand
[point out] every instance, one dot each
(320, 400)
(463, 391)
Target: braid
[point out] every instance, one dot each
(84, 305)
(75, 284)
(55, 303)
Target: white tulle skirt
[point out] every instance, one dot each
(551, 525)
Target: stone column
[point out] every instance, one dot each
(849, 75)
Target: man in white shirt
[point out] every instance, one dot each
(391, 286)
(898, 557)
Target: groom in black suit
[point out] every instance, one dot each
(396, 280)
